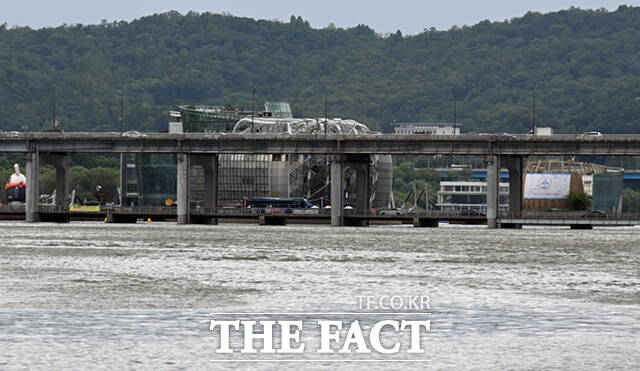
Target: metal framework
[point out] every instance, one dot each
(300, 126)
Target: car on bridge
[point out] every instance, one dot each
(591, 134)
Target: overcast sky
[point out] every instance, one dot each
(409, 16)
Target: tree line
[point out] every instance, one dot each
(583, 64)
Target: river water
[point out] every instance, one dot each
(100, 296)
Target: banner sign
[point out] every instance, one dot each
(546, 186)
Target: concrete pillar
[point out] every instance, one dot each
(514, 165)
(32, 193)
(183, 188)
(337, 191)
(493, 173)
(362, 186)
(211, 183)
(61, 163)
(209, 165)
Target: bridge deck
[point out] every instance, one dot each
(466, 144)
(315, 215)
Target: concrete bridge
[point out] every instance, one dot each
(501, 151)
(352, 217)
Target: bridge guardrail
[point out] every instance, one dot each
(566, 215)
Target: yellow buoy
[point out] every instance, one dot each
(148, 220)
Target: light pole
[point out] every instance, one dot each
(533, 113)
(121, 109)
(53, 92)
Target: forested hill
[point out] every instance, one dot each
(585, 64)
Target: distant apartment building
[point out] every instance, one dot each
(464, 195)
(426, 128)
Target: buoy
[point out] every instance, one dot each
(148, 220)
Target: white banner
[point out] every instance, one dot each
(546, 186)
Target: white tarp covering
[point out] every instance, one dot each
(546, 186)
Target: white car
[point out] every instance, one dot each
(133, 134)
(592, 134)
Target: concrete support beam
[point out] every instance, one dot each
(61, 162)
(209, 165)
(493, 173)
(32, 192)
(362, 186)
(337, 191)
(514, 165)
(183, 160)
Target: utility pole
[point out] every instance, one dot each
(54, 107)
(121, 109)
(533, 115)
(325, 111)
(453, 93)
(253, 102)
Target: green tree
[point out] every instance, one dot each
(630, 201)
(579, 201)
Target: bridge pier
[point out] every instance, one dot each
(361, 165)
(32, 192)
(210, 169)
(362, 183)
(61, 163)
(183, 160)
(493, 173)
(337, 191)
(514, 165)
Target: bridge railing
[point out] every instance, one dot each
(12, 208)
(566, 215)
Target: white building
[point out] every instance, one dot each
(468, 196)
(426, 128)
